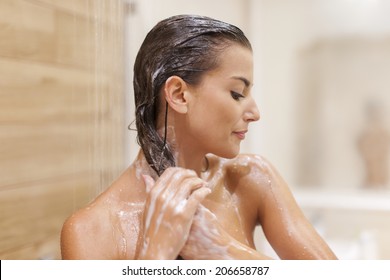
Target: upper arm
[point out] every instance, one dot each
(284, 224)
(71, 239)
(79, 236)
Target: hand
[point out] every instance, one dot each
(169, 210)
(207, 239)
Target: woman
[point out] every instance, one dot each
(189, 194)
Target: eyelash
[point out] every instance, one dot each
(236, 95)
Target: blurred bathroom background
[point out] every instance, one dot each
(321, 83)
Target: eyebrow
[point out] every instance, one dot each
(244, 80)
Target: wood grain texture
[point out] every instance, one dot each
(34, 211)
(61, 116)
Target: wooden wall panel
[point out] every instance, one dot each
(47, 154)
(61, 116)
(43, 93)
(34, 211)
(57, 35)
(27, 30)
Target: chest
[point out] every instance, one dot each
(231, 212)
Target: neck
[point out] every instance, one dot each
(186, 153)
(184, 160)
(190, 159)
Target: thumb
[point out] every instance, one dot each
(149, 182)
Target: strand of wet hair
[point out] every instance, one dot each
(165, 138)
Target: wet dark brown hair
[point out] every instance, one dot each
(186, 46)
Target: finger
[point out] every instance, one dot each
(188, 186)
(172, 183)
(160, 185)
(163, 190)
(167, 180)
(176, 199)
(195, 199)
(150, 203)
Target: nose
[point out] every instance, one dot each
(252, 113)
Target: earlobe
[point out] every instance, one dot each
(175, 94)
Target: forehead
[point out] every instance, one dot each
(234, 61)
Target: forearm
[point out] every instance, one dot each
(239, 251)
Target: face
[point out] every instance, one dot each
(221, 107)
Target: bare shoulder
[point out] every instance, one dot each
(254, 170)
(82, 230)
(93, 231)
(247, 175)
(259, 178)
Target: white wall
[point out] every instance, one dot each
(280, 29)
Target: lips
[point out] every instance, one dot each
(240, 134)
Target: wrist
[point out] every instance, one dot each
(156, 252)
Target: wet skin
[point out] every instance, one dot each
(187, 212)
(246, 191)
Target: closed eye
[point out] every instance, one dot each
(236, 95)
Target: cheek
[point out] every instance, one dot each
(216, 117)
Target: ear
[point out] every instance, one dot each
(175, 92)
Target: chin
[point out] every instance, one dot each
(228, 153)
